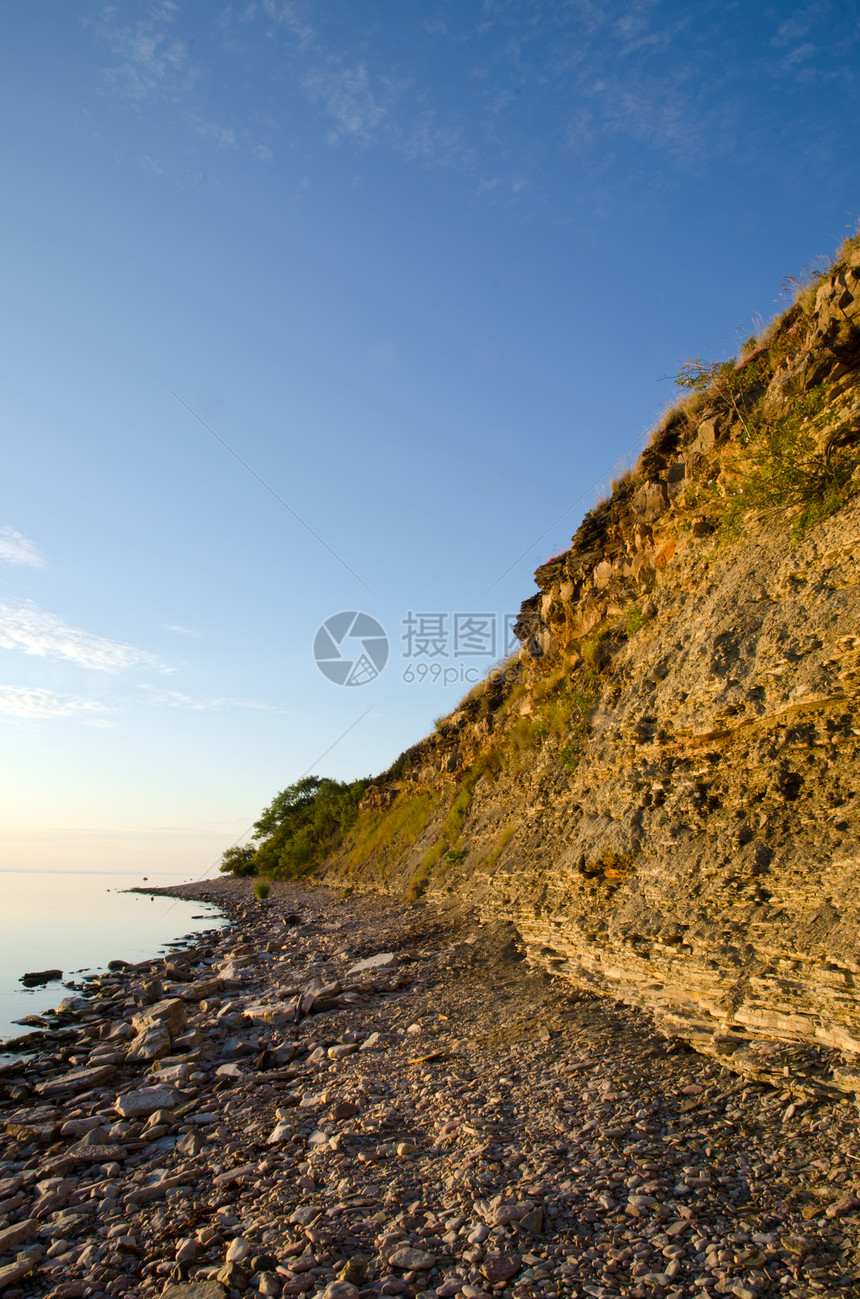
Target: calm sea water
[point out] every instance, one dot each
(76, 920)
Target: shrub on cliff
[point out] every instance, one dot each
(790, 461)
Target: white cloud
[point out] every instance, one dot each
(431, 145)
(288, 15)
(182, 631)
(798, 55)
(348, 99)
(152, 62)
(15, 549)
(28, 628)
(30, 701)
(176, 699)
(501, 186)
(224, 136)
(262, 153)
(149, 165)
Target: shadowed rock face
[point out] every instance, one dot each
(666, 804)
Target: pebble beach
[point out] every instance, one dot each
(346, 1096)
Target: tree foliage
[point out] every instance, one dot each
(299, 828)
(238, 861)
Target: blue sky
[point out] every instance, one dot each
(424, 269)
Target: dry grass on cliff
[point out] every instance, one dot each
(499, 846)
(382, 834)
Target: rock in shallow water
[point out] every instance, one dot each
(37, 977)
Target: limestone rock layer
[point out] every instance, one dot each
(662, 790)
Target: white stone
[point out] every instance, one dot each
(281, 1132)
(381, 961)
(140, 1104)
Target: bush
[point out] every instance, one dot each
(795, 464)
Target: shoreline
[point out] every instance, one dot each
(350, 1096)
(60, 927)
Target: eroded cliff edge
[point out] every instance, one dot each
(662, 792)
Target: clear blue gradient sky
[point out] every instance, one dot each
(425, 269)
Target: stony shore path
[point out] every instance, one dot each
(345, 1096)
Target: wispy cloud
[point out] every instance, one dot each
(181, 631)
(287, 14)
(501, 185)
(223, 136)
(426, 142)
(30, 701)
(35, 702)
(16, 549)
(351, 104)
(151, 61)
(508, 88)
(149, 165)
(27, 628)
(177, 699)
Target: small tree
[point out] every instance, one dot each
(239, 861)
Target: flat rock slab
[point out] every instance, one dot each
(97, 1154)
(202, 989)
(381, 961)
(195, 1290)
(276, 1015)
(231, 1070)
(233, 1175)
(15, 1272)
(79, 1080)
(45, 1134)
(16, 1235)
(140, 1104)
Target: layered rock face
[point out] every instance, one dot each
(663, 793)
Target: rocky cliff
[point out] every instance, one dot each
(662, 790)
